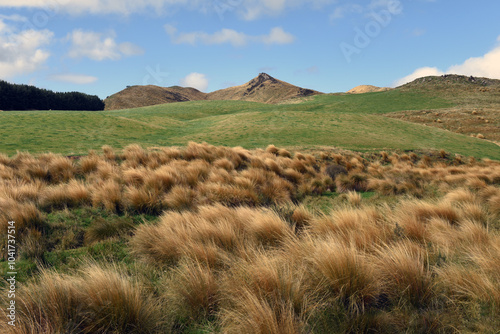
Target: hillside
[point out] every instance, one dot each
(349, 121)
(264, 88)
(143, 96)
(476, 105)
(367, 89)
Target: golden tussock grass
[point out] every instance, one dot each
(72, 194)
(98, 300)
(346, 273)
(180, 198)
(25, 215)
(354, 198)
(363, 228)
(89, 163)
(143, 200)
(267, 294)
(404, 273)
(192, 292)
(226, 261)
(107, 194)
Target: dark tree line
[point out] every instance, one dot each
(24, 97)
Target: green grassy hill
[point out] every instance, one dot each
(347, 121)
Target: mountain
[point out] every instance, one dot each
(264, 88)
(143, 96)
(367, 89)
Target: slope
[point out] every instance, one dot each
(346, 121)
(264, 88)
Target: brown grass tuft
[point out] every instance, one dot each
(97, 301)
(180, 198)
(107, 194)
(404, 273)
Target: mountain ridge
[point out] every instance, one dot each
(263, 88)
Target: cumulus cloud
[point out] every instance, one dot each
(97, 47)
(79, 79)
(22, 52)
(484, 66)
(228, 36)
(195, 80)
(418, 73)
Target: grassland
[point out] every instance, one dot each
(215, 239)
(348, 121)
(356, 223)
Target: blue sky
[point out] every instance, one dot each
(101, 46)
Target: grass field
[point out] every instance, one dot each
(206, 239)
(355, 222)
(348, 121)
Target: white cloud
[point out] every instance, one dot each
(228, 36)
(254, 9)
(95, 46)
(341, 11)
(79, 79)
(125, 7)
(277, 36)
(484, 66)
(418, 73)
(22, 52)
(247, 9)
(195, 80)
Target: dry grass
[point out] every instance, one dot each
(415, 255)
(98, 300)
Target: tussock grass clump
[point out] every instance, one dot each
(345, 273)
(102, 229)
(351, 182)
(72, 194)
(98, 300)
(25, 215)
(335, 170)
(404, 273)
(192, 292)
(267, 294)
(107, 194)
(60, 169)
(89, 163)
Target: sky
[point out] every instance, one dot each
(101, 46)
